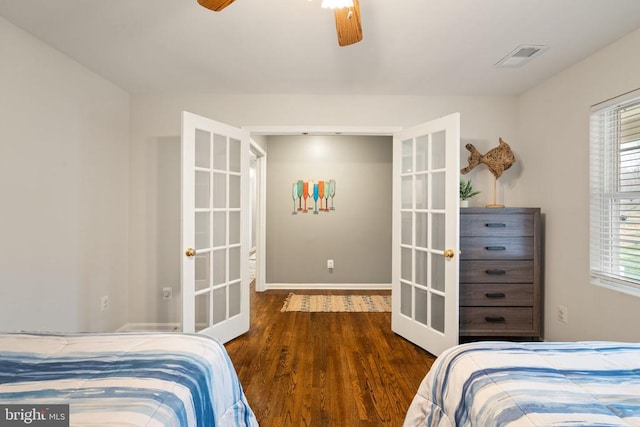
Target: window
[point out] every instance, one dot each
(615, 193)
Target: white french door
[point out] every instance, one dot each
(426, 168)
(215, 241)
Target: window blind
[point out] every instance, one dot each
(615, 193)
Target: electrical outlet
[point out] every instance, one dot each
(167, 293)
(104, 303)
(329, 263)
(563, 314)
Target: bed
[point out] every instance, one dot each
(531, 384)
(137, 379)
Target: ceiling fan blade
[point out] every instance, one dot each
(348, 24)
(215, 5)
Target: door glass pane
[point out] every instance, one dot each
(219, 190)
(202, 198)
(234, 299)
(202, 230)
(406, 263)
(220, 152)
(203, 270)
(219, 266)
(406, 228)
(202, 311)
(421, 229)
(234, 191)
(437, 312)
(407, 192)
(438, 190)
(405, 299)
(422, 306)
(437, 272)
(234, 263)
(219, 305)
(438, 150)
(422, 191)
(203, 149)
(234, 228)
(234, 155)
(407, 156)
(437, 231)
(422, 153)
(219, 228)
(422, 259)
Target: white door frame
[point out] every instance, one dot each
(261, 174)
(323, 130)
(261, 214)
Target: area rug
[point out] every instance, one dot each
(342, 303)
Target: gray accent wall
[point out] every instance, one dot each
(356, 235)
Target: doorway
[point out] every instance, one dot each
(257, 223)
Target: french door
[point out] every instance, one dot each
(426, 165)
(215, 241)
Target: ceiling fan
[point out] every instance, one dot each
(348, 23)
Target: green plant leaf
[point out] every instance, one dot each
(466, 190)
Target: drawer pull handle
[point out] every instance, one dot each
(496, 272)
(496, 225)
(495, 295)
(495, 248)
(495, 319)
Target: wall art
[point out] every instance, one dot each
(304, 193)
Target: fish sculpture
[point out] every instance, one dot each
(498, 159)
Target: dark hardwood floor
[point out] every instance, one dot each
(325, 369)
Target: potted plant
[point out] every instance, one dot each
(466, 192)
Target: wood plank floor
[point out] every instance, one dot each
(325, 369)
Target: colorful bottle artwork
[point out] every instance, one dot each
(300, 188)
(305, 194)
(295, 196)
(315, 199)
(320, 191)
(332, 192)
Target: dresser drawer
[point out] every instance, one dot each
(496, 248)
(495, 320)
(486, 294)
(493, 225)
(496, 271)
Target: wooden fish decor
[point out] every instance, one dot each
(498, 159)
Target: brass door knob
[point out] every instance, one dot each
(449, 253)
(190, 252)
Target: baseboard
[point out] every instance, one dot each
(330, 286)
(149, 327)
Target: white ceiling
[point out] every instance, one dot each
(410, 47)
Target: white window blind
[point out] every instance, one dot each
(615, 193)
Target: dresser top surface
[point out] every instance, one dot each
(498, 211)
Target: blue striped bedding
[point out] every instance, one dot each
(531, 384)
(125, 379)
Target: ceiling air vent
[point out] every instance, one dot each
(521, 55)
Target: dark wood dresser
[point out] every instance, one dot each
(500, 272)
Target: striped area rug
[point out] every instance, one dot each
(343, 303)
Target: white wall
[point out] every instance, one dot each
(155, 141)
(64, 173)
(554, 134)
